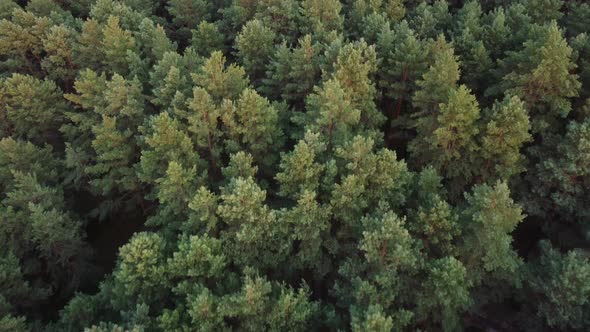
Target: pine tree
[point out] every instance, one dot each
(255, 47)
(105, 154)
(31, 108)
(506, 132)
(219, 81)
(171, 80)
(449, 139)
(204, 122)
(403, 60)
(475, 59)
(301, 170)
(88, 52)
(207, 38)
(541, 76)
(445, 294)
(186, 15)
(117, 43)
(252, 125)
(249, 221)
(59, 61)
(560, 181)
(153, 41)
(6, 8)
(283, 17)
(21, 38)
(322, 16)
(330, 113)
(428, 20)
(354, 69)
(164, 142)
(293, 72)
(562, 282)
(455, 136)
(438, 80)
(487, 253)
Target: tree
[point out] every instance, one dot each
(117, 44)
(59, 61)
(506, 132)
(440, 78)
(301, 170)
(331, 113)
(22, 40)
(403, 61)
(171, 81)
(106, 155)
(186, 15)
(255, 47)
(446, 293)
(488, 220)
(449, 140)
(219, 81)
(541, 75)
(204, 122)
(32, 109)
(560, 182)
(252, 125)
(173, 171)
(249, 221)
(354, 69)
(428, 20)
(292, 72)
(564, 288)
(207, 38)
(322, 16)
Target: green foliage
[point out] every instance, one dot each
(255, 46)
(32, 109)
(285, 165)
(561, 280)
(489, 219)
(545, 81)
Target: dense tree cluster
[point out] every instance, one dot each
(362, 165)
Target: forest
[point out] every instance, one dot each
(294, 165)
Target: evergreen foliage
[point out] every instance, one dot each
(294, 165)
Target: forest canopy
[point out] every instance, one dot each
(294, 165)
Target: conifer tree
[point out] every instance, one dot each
(561, 279)
(505, 134)
(293, 72)
(428, 20)
(560, 181)
(322, 16)
(330, 113)
(439, 80)
(171, 80)
(31, 108)
(88, 52)
(489, 219)
(255, 46)
(117, 44)
(542, 76)
(252, 125)
(59, 61)
(403, 60)
(204, 122)
(219, 81)
(206, 38)
(21, 38)
(187, 14)
(354, 69)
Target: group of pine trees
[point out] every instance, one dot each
(301, 165)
